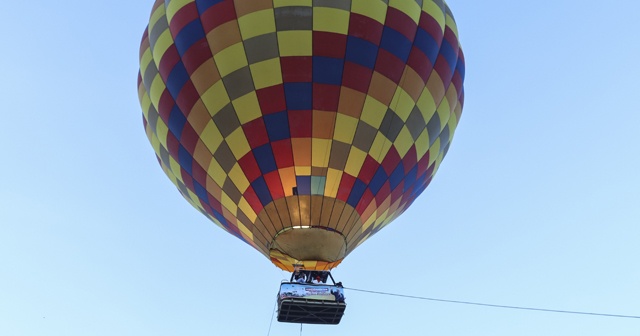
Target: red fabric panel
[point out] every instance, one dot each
(297, 69)
(365, 28)
(400, 22)
(329, 44)
(272, 99)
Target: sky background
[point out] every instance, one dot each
(536, 205)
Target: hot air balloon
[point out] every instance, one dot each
(301, 127)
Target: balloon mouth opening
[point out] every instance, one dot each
(310, 243)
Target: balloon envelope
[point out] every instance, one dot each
(301, 127)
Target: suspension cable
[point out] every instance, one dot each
(495, 305)
(272, 315)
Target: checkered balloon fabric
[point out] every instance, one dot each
(302, 127)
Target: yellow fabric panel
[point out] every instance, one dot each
(158, 14)
(444, 112)
(162, 131)
(266, 73)
(155, 143)
(376, 10)
(211, 137)
(451, 23)
(193, 198)
(295, 43)
(238, 178)
(427, 105)
(355, 161)
(422, 144)
(345, 128)
(230, 205)
(331, 20)
(145, 60)
(453, 123)
(381, 218)
(303, 170)
(320, 150)
(380, 147)
(286, 3)
(174, 166)
(170, 175)
(247, 209)
(238, 143)
(402, 104)
(165, 40)
(216, 98)
(257, 23)
(174, 6)
(247, 107)
(404, 141)
(411, 8)
(156, 90)
(433, 9)
(145, 101)
(231, 59)
(373, 112)
(434, 151)
(333, 182)
(245, 231)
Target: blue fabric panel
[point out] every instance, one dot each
(396, 176)
(361, 52)
(447, 51)
(219, 217)
(395, 43)
(411, 178)
(201, 192)
(186, 160)
(262, 190)
(420, 185)
(357, 191)
(203, 5)
(427, 44)
(177, 120)
(299, 96)
(378, 180)
(188, 36)
(265, 159)
(304, 185)
(460, 67)
(327, 70)
(277, 126)
(177, 79)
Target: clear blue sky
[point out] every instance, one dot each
(537, 203)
